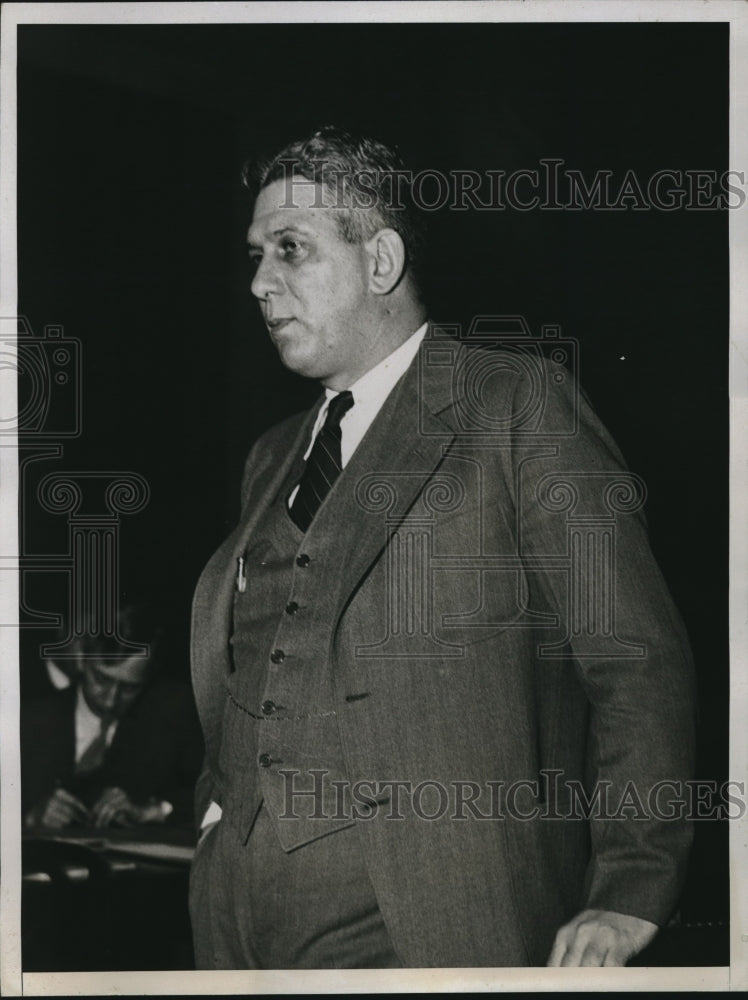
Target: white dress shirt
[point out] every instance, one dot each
(369, 395)
(88, 727)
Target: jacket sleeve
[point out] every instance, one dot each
(575, 498)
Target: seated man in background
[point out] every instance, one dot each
(115, 746)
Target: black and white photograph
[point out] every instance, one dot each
(372, 616)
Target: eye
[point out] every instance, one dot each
(255, 257)
(291, 249)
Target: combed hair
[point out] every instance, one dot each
(360, 173)
(134, 623)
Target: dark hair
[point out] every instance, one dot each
(367, 178)
(135, 624)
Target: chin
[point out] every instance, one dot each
(300, 363)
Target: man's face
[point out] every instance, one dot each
(111, 688)
(312, 285)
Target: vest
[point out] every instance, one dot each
(281, 743)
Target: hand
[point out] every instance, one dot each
(116, 806)
(600, 938)
(60, 809)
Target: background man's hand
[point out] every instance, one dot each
(600, 938)
(113, 806)
(116, 807)
(59, 810)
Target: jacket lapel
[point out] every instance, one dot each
(397, 458)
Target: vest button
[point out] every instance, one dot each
(277, 656)
(303, 560)
(268, 707)
(291, 608)
(265, 760)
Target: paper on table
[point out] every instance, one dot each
(159, 852)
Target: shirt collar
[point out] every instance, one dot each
(379, 381)
(83, 712)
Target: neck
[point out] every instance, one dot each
(391, 329)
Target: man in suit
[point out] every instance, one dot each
(112, 746)
(437, 629)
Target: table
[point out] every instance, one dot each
(106, 900)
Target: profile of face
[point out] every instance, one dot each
(111, 688)
(313, 286)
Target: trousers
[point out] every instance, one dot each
(254, 906)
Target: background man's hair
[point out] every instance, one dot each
(136, 623)
(360, 173)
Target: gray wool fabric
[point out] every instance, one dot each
(443, 626)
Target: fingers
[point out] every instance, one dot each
(63, 809)
(599, 947)
(558, 950)
(106, 812)
(593, 942)
(564, 942)
(126, 816)
(112, 803)
(597, 938)
(576, 945)
(55, 815)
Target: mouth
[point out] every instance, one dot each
(277, 324)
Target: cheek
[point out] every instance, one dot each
(95, 694)
(332, 294)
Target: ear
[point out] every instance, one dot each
(386, 252)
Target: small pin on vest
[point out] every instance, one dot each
(241, 577)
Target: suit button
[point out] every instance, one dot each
(291, 608)
(277, 656)
(265, 760)
(268, 707)
(303, 560)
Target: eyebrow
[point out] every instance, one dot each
(105, 675)
(301, 230)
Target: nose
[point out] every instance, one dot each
(110, 695)
(267, 280)
(120, 699)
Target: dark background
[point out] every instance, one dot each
(131, 229)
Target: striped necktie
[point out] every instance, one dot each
(324, 464)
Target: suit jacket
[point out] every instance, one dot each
(501, 632)
(156, 750)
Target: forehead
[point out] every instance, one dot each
(294, 203)
(132, 671)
